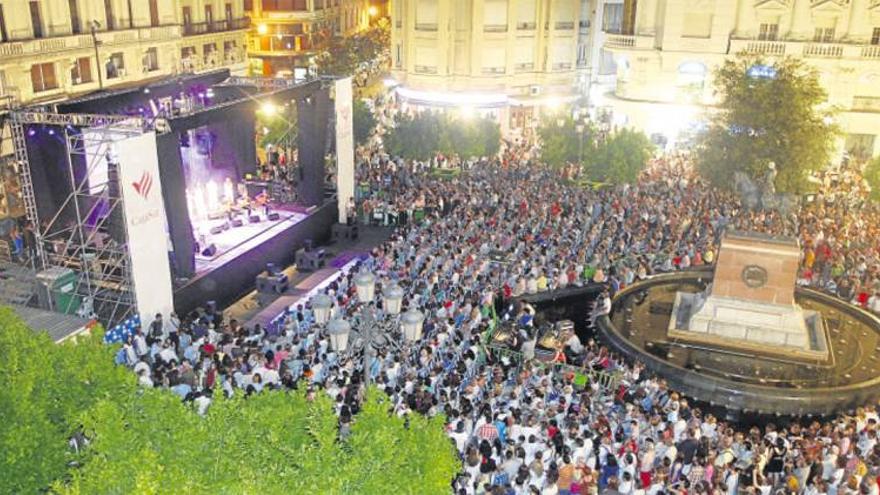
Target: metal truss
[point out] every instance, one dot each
(263, 82)
(118, 122)
(102, 263)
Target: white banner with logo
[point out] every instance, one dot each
(145, 220)
(141, 191)
(344, 146)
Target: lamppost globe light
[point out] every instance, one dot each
(365, 283)
(393, 299)
(411, 324)
(339, 331)
(321, 305)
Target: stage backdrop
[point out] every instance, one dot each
(141, 190)
(344, 146)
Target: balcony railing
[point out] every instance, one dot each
(620, 41)
(495, 28)
(823, 50)
(526, 26)
(866, 104)
(524, 67)
(426, 27)
(39, 46)
(197, 28)
(425, 69)
(765, 47)
(871, 51)
(492, 70)
(562, 66)
(779, 48)
(562, 25)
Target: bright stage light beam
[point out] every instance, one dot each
(268, 109)
(213, 193)
(262, 29)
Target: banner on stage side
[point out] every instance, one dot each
(344, 146)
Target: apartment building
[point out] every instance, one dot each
(52, 49)
(665, 52)
(286, 35)
(508, 56)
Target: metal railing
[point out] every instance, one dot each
(495, 28)
(220, 26)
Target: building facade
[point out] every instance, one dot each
(51, 50)
(510, 55)
(665, 52)
(48, 47)
(287, 34)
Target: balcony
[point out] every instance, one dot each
(426, 27)
(198, 28)
(566, 25)
(779, 48)
(823, 50)
(866, 104)
(43, 46)
(620, 41)
(526, 26)
(495, 28)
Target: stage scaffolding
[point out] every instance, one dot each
(101, 263)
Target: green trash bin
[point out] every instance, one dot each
(60, 284)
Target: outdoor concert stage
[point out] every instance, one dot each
(180, 155)
(228, 276)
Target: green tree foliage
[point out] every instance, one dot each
(267, 443)
(147, 441)
(43, 389)
(562, 142)
(782, 119)
(428, 133)
(363, 121)
(872, 176)
(620, 158)
(344, 54)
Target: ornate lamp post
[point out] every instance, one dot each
(371, 330)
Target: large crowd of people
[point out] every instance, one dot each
(507, 226)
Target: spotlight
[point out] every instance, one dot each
(51, 132)
(262, 29)
(268, 109)
(373, 11)
(32, 132)
(146, 91)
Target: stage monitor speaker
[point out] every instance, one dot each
(308, 245)
(272, 269)
(274, 217)
(237, 222)
(209, 251)
(310, 260)
(254, 219)
(217, 229)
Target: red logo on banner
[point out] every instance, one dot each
(144, 185)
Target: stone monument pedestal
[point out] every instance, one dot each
(750, 304)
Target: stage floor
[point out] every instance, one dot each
(233, 241)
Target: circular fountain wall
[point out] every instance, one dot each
(743, 381)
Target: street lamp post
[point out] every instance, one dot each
(95, 25)
(370, 330)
